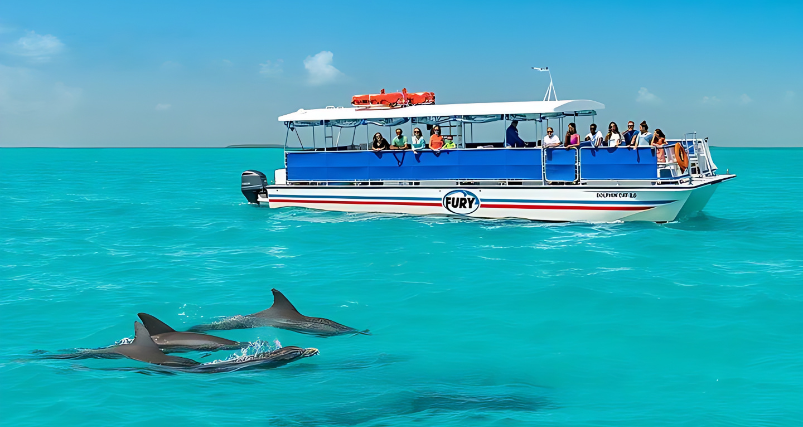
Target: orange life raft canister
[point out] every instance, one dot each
(682, 157)
(394, 99)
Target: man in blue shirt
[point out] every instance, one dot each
(629, 136)
(512, 136)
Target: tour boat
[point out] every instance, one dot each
(481, 179)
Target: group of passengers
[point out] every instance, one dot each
(418, 142)
(631, 138)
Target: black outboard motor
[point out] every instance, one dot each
(254, 182)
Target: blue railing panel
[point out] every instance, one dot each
(560, 164)
(387, 165)
(344, 166)
(618, 163)
(523, 164)
(430, 165)
(482, 164)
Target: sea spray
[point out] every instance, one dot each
(252, 352)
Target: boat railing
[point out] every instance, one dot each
(558, 165)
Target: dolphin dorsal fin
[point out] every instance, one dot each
(154, 325)
(142, 337)
(281, 306)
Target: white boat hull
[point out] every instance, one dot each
(541, 203)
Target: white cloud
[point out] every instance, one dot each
(711, 100)
(170, 65)
(271, 69)
(36, 46)
(645, 97)
(163, 107)
(789, 96)
(744, 99)
(320, 68)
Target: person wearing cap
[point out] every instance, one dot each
(512, 138)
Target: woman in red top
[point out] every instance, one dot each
(436, 140)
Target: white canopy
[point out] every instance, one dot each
(490, 108)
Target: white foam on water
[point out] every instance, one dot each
(253, 351)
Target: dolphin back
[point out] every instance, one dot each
(145, 350)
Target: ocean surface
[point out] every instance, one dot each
(473, 322)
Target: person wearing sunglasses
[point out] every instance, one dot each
(418, 142)
(436, 140)
(551, 140)
(379, 143)
(629, 136)
(399, 142)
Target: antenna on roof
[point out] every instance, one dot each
(550, 92)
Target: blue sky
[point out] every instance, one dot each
(219, 73)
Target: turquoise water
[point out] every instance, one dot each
(474, 322)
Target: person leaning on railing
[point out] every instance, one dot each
(379, 143)
(551, 140)
(436, 140)
(594, 136)
(399, 142)
(658, 140)
(630, 135)
(644, 138)
(613, 138)
(418, 142)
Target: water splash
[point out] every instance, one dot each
(253, 351)
(124, 341)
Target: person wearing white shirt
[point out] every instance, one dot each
(613, 138)
(594, 136)
(550, 140)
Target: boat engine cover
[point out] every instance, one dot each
(253, 182)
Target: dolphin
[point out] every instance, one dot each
(281, 315)
(142, 348)
(170, 341)
(269, 360)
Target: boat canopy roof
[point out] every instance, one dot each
(529, 110)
